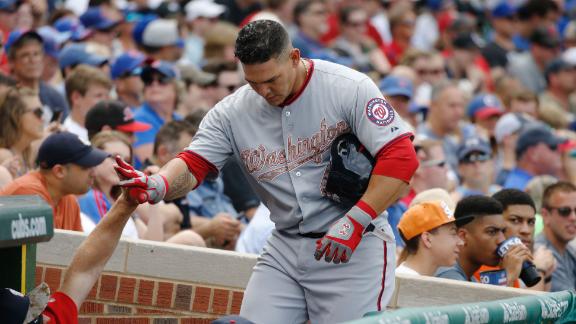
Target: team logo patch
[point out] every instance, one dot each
(379, 112)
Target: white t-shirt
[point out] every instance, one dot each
(402, 268)
(73, 127)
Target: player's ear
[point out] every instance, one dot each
(295, 56)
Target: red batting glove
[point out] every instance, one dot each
(141, 187)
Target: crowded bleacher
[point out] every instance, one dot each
(488, 89)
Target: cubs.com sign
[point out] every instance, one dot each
(379, 111)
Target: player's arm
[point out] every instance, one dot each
(93, 254)
(179, 178)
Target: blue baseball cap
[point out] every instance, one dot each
(534, 134)
(162, 67)
(72, 26)
(485, 105)
(128, 62)
(157, 32)
(9, 5)
(472, 145)
(503, 10)
(64, 148)
(77, 53)
(94, 18)
(397, 86)
(53, 40)
(17, 34)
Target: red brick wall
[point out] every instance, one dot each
(119, 299)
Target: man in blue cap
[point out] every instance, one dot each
(81, 53)
(398, 91)
(125, 72)
(103, 27)
(66, 169)
(484, 110)
(536, 154)
(160, 101)
(159, 38)
(476, 168)
(26, 59)
(503, 22)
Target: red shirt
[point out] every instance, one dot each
(61, 309)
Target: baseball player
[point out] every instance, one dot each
(323, 263)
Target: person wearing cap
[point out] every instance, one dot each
(8, 16)
(103, 27)
(484, 111)
(76, 54)
(529, 67)
(198, 85)
(159, 38)
(467, 65)
(85, 87)
(160, 102)
(476, 169)
(399, 91)
(503, 22)
(536, 154)
(53, 41)
(125, 72)
(531, 14)
(201, 16)
(87, 264)
(26, 59)
(66, 168)
(558, 102)
(113, 115)
(481, 227)
(506, 135)
(430, 237)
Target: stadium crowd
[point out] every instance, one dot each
(488, 87)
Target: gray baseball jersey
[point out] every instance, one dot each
(285, 151)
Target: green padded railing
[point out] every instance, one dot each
(558, 307)
(24, 221)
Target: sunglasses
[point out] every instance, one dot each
(476, 158)
(162, 80)
(562, 211)
(429, 71)
(38, 112)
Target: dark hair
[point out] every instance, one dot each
(260, 41)
(23, 40)
(411, 245)
(508, 197)
(533, 8)
(170, 133)
(195, 117)
(301, 7)
(476, 206)
(561, 186)
(345, 13)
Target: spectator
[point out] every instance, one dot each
(484, 110)
(399, 91)
(559, 215)
(104, 28)
(85, 87)
(125, 72)
(83, 272)
(536, 154)
(557, 102)
(310, 17)
(97, 201)
(482, 227)
(506, 134)
(429, 233)
(113, 115)
(159, 38)
(198, 87)
(278, 10)
(160, 102)
(21, 125)
(444, 122)
(8, 13)
(53, 41)
(353, 43)
(466, 65)
(476, 169)
(520, 216)
(228, 79)
(66, 169)
(219, 45)
(529, 67)
(525, 102)
(210, 211)
(531, 15)
(402, 20)
(201, 16)
(503, 21)
(26, 58)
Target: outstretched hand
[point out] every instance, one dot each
(141, 187)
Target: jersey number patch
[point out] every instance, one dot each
(380, 112)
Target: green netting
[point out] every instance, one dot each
(558, 307)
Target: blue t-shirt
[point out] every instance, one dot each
(94, 204)
(395, 213)
(148, 115)
(517, 179)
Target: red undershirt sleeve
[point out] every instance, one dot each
(397, 160)
(198, 166)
